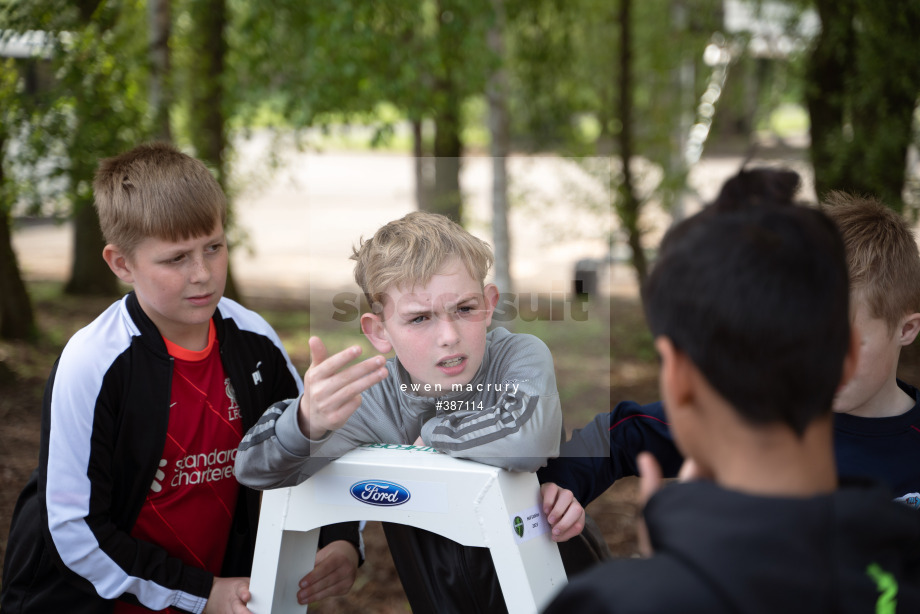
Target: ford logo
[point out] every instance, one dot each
(380, 492)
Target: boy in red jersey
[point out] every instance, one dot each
(134, 505)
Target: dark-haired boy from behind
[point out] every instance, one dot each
(749, 310)
(876, 415)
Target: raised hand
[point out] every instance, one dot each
(332, 391)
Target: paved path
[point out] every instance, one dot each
(299, 221)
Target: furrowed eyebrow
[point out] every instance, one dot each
(415, 312)
(463, 302)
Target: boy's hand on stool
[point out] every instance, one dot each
(564, 513)
(332, 392)
(228, 596)
(334, 571)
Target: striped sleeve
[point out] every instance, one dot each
(523, 426)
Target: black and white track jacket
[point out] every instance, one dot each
(104, 420)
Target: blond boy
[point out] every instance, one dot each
(453, 385)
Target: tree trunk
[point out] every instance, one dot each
(160, 90)
(499, 146)
(861, 109)
(825, 91)
(628, 205)
(89, 274)
(882, 121)
(448, 150)
(207, 98)
(17, 320)
(207, 113)
(420, 166)
(448, 147)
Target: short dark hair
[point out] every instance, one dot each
(758, 186)
(757, 298)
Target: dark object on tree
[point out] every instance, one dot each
(585, 277)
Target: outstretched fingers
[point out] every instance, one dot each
(332, 388)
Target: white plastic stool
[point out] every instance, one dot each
(468, 502)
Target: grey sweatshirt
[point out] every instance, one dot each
(507, 416)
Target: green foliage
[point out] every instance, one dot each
(319, 62)
(11, 114)
(96, 104)
(863, 81)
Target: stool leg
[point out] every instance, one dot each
(278, 568)
(298, 553)
(281, 558)
(265, 560)
(530, 574)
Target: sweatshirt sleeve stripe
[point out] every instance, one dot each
(264, 428)
(488, 428)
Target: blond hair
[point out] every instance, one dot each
(882, 255)
(154, 190)
(411, 250)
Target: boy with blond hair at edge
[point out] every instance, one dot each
(877, 416)
(134, 506)
(468, 392)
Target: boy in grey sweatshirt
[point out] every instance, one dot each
(468, 392)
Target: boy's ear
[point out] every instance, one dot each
(373, 329)
(490, 293)
(676, 378)
(118, 262)
(910, 326)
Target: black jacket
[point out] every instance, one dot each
(104, 420)
(719, 551)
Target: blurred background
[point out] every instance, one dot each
(568, 134)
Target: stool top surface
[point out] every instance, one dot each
(409, 456)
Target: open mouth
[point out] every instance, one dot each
(451, 362)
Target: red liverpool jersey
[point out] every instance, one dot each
(189, 507)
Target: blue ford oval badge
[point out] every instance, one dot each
(380, 492)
